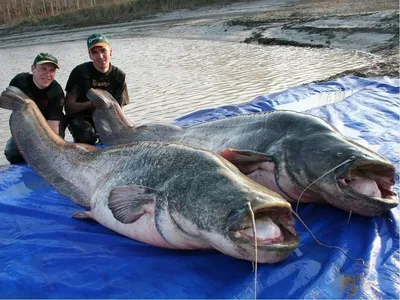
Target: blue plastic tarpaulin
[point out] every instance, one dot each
(45, 253)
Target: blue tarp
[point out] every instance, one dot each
(45, 253)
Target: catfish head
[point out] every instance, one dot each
(347, 175)
(222, 215)
(319, 165)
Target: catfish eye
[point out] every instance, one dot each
(345, 180)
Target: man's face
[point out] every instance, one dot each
(43, 74)
(101, 57)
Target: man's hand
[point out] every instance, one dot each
(54, 125)
(71, 106)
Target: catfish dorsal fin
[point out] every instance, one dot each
(127, 203)
(245, 160)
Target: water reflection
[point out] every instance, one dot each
(170, 77)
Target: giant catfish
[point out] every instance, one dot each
(163, 194)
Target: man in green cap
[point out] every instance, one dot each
(98, 73)
(41, 87)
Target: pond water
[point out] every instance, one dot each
(169, 77)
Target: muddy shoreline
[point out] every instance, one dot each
(364, 26)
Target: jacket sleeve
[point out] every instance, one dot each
(73, 84)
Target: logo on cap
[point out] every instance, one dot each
(97, 39)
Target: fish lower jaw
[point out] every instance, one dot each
(268, 250)
(368, 207)
(260, 240)
(365, 196)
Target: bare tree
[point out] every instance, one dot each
(17, 10)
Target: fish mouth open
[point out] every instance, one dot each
(274, 229)
(371, 180)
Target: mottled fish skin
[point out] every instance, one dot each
(287, 152)
(167, 195)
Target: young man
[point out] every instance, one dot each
(98, 74)
(41, 87)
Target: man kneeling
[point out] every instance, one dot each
(41, 87)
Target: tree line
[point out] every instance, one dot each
(90, 12)
(19, 10)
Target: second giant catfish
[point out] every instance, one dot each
(299, 156)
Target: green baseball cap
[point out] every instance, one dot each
(43, 58)
(97, 39)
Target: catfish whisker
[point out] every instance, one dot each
(253, 226)
(325, 245)
(348, 220)
(339, 165)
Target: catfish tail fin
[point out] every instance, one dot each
(101, 99)
(13, 99)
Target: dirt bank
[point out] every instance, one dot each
(359, 25)
(369, 26)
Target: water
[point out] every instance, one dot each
(169, 77)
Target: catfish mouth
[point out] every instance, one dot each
(274, 228)
(371, 180)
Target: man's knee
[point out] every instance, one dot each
(62, 127)
(12, 153)
(86, 137)
(82, 131)
(14, 157)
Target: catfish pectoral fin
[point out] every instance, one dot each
(244, 156)
(127, 203)
(245, 160)
(83, 215)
